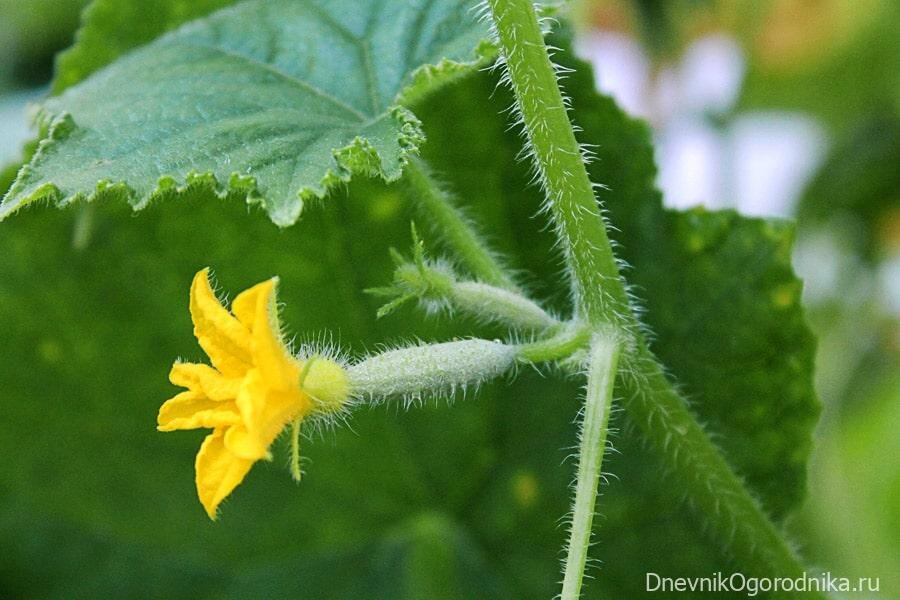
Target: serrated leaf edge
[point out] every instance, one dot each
(358, 157)
(428, 78)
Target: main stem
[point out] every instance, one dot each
(597, 288)
(716, 493)
(596, 284)
(598, 399)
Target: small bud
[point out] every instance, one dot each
(493, 304)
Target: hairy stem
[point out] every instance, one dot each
(569, 339)
(296, 470)
(697, 468)
(732, 515)
(601, 375)
(597, 287)
(456, 230)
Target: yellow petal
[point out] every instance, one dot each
(256, 309)
(244, 444)
(204, 380)
(245, 303)
(264, 413)
(190, 410)
(221, 336)
(251, 398)
(218, 472)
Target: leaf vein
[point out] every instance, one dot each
(294, 80)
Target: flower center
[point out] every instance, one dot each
(326, 383)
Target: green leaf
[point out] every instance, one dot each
(459, 501)
(858, 186)
(110, 28)
(276, 101)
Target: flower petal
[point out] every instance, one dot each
(204, 380)
(221, 336)
(245, 303)
(256, 309)
(190, 410)
(218, 472)
(264, 413)
(244, 444)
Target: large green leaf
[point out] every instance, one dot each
(110, 28)
(277, 100)
(458, 501)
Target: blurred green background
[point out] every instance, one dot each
(776, 108)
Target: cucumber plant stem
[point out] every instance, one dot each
(598, 290)
(733, 516)
(604, 358)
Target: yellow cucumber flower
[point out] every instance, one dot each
(252, 390)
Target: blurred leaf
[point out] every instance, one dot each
(834, 60)
(457, 501)
(859, 185)
(30, 34)
(126, 132)
(110, 28)
(870, 542)
(9, 171)
(8, 175)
